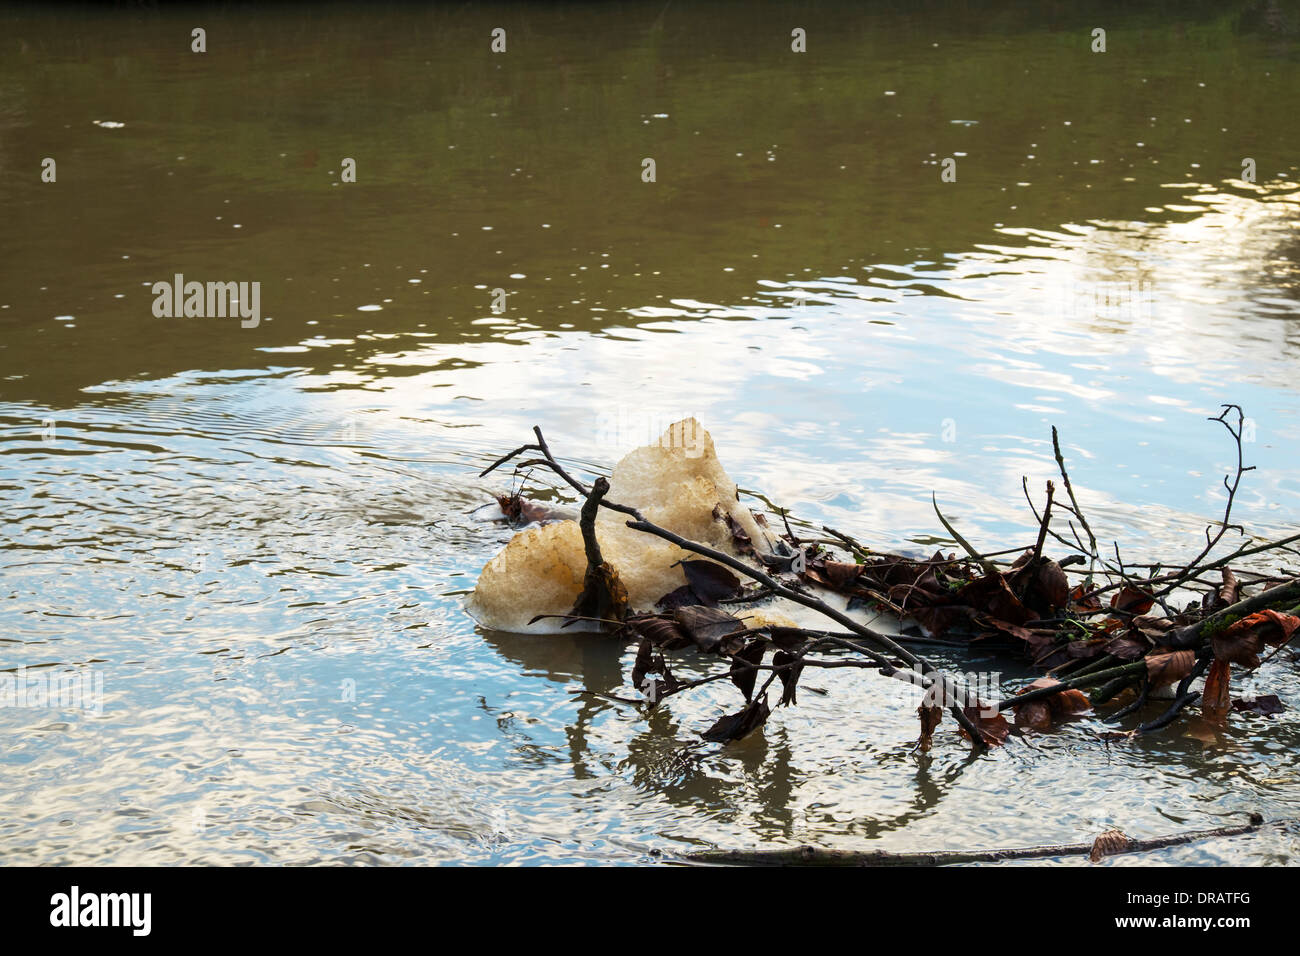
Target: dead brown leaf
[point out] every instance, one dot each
(1216, 700)
(1036, 715)
(1266, 704)
(707, 626)
(1242, 641)
(1043, 587)
(741, 724)
(603, 594)
(1082, 603)
(931, 715)
(1274, 628)
(840, 574)
(789, 678)
(659, 629)
(992, 726)
(1127, 648)
(1227, 593)
(992, 595)
(1042, 713)
(744, 663)
(710, 581)
(1132, 600)
(1108, 844)
(1169, 667)
(739, 536)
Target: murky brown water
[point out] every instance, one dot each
(238, 529)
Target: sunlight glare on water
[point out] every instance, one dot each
(260, 538)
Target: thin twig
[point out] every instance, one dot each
(1069, 490)
(988, 566)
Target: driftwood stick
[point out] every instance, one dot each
(1100, 663)
(817, 856)
(1137, 704)
(1192, 635)
(1107, 691)
(587, 522)
(1089, 680)
(1047, 520)
(1075, 545)
(1224, 525)
(1168, 716)
(1182, 697)
(506, 457)
(603, 594)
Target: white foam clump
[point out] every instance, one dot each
(677, 483)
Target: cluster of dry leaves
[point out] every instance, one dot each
(1030, 607)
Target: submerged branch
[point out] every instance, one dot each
(1108, 844)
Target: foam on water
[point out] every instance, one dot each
(677, 482)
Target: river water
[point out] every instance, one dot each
(258, 540)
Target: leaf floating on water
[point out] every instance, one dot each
(650, 674)
(1042, 713)
(1036, 715)
(1108, 844)
(741, 724)
(990, 723)
(1265, 705)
